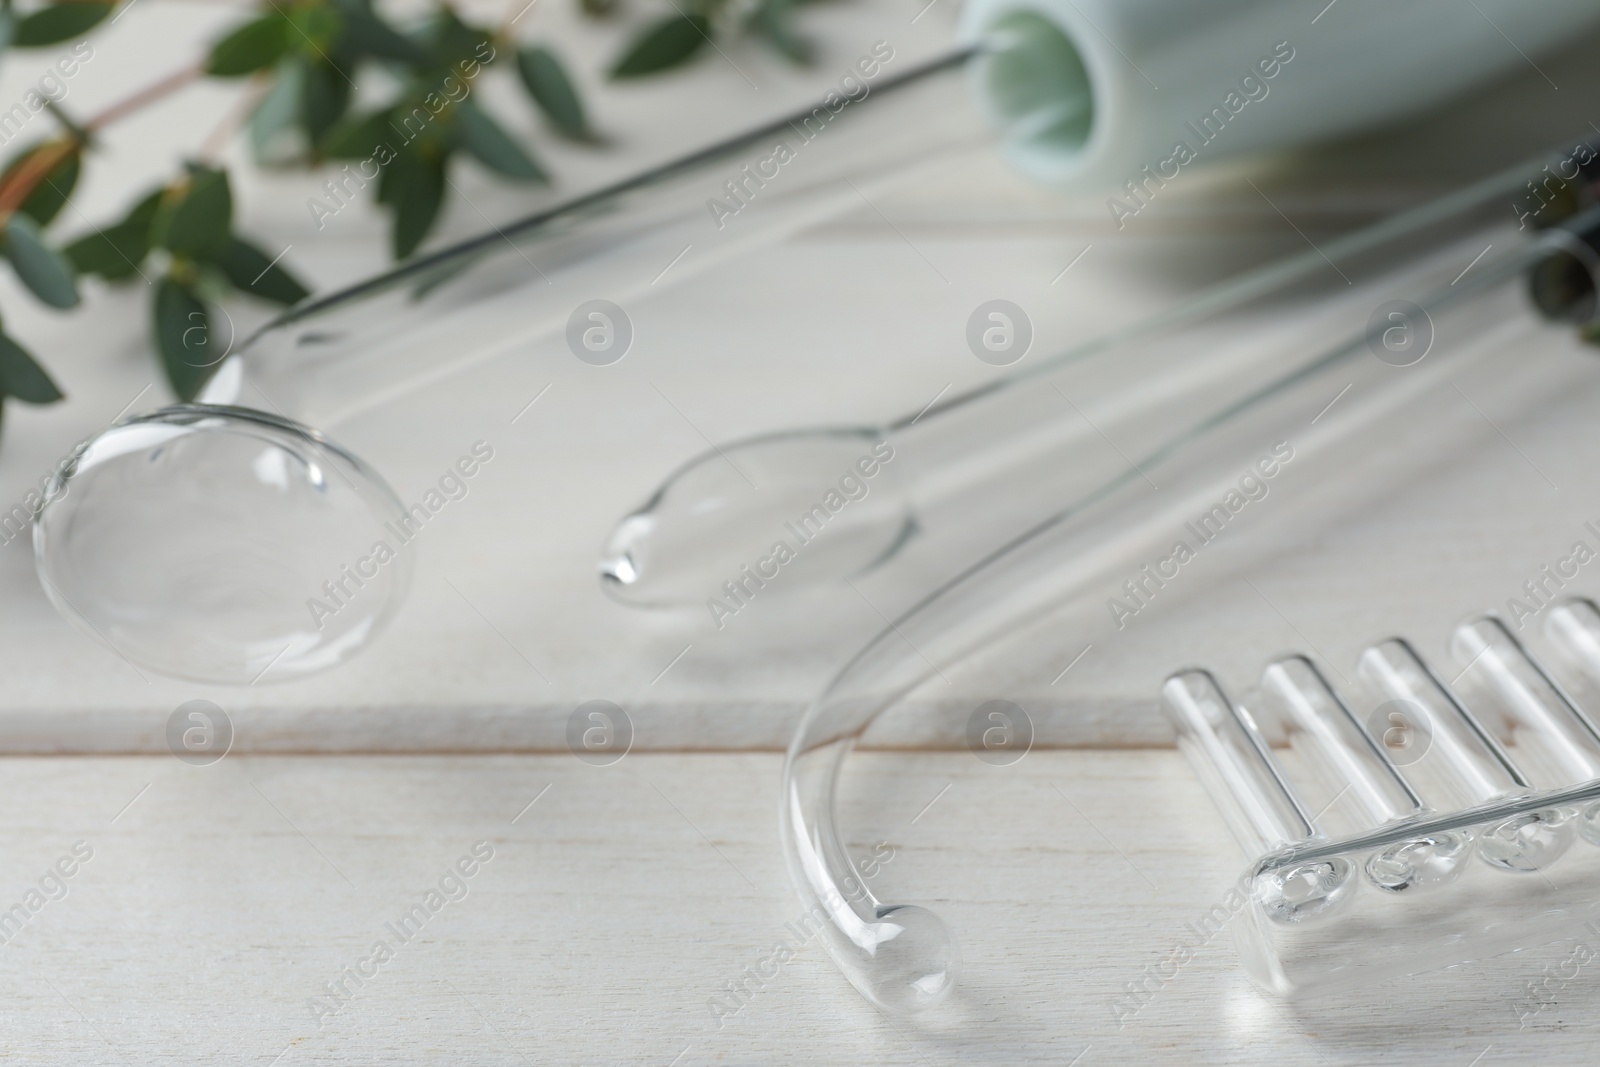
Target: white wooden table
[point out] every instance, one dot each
(220, 901)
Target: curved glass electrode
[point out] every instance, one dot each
(1043, 589)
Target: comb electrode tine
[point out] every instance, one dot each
(1573, 626)
(1295, 689)
(1227, 751)
(1476, 769)
(1473, 768)
(1497, 668)
(1361, 768)
(1222, 742)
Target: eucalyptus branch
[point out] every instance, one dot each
(234, 119)
(20, 183)
(158, 90)
(303, 61)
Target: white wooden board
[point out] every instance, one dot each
(219, 899)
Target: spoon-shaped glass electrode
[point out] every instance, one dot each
(729, 505)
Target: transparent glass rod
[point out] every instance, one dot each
(519, 283)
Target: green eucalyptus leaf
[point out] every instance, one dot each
(22, 377)
(116, 252)
(58, 22)
(275, 137)
(142, 215)
(482, 136)
(182, 326)
(113, 253)
(358, 136)
(253, 271)
(256, 45)
(8, 27)
(413, 187)
(368, 35)
(325, 99)
(315, 28)
(47, 273)
(452, 41)
(413, 121)
(774, 21)
(197, 220)
(662, 45)
(547, 83)
(51, 193)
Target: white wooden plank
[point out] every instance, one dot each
(624, 898)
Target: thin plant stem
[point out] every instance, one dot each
(20, 184)
(217, 140)
(151, 93)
